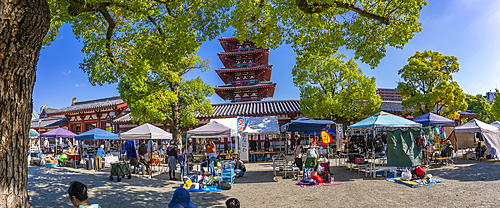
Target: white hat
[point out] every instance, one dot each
(102, 145)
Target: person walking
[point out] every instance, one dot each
(182, 163)
(211, 155)
(172, 159)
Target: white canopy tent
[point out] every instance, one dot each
(251, 126)
(496, 124)
(489, 134)
(145, 131)
(212, 130)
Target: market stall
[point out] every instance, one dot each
(95, 135)
(496, 124)
(402, 147)
(147, 132)
(434, 134)
(58, 133)
(490, 135)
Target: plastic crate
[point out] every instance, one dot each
(227, 165)
(226, 173)
(50, 165)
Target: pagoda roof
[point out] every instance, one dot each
(239, 53)
(241, 87)
(253, 68)
(226, 77)
(89, 105)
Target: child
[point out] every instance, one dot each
(182, 163)
(78, 195)
(233, 203)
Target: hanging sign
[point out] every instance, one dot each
(325, 138)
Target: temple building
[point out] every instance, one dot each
(247, 73)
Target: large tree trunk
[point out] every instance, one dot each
(177, 123)
(23, 24)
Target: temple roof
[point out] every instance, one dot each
(239, 53)
(87, 105)
(253, 68)
(227, 77)
(48, 122)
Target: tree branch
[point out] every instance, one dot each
(307, 8)
(109, 33)
(156, 25)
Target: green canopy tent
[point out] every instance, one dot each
(402, 148)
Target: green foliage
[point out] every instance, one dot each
(495, 107)
(154, 95)
(331, 88)
(428, 85)
(478, 104)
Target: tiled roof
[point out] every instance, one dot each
(232, 53)
(254, 108)
(242, 109)
(467, 113)
(87, 105)
(47, 122)
(253, 68)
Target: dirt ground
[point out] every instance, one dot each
(466, 184)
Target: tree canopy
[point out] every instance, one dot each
(164, 96)
(427, 85)
(331, 88)
(495, 107)
(479, 105)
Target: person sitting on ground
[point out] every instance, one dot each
(181, 199)
(239, 168)
(99, 156)
(232, 203)
(78, 195)
(182, 163)
(172, 159)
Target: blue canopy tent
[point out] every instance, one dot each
(402, 148)
(306, 124)
(431, 119)
(97, 134)
(385, 120)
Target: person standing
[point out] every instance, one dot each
(312, 157)
(182, 163)
(172, 159)
(211, 155)
(99, 156)
(288, 146)
(189, 153)
(298, 153)
(46, 145)
(143, 157)
(253, 148)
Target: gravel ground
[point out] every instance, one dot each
(466, 184)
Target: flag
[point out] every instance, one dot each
(325, 138)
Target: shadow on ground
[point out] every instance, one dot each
(48, 188)
(469, 170)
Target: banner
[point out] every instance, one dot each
(339, 134)
(242, 124)
(243, 147)
(325, 138)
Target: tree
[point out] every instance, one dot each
(164, 96)
(428, 85)
(495, 107)
(331, 88)
(479, 105)
(118, 33)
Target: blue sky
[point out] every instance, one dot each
(466, 29)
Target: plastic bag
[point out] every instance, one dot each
(406, 175)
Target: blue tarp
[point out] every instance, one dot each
(96, 134)
(431, 119)
(384, 119)
(432, 181)
(306, 124)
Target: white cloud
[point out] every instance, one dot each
(76, 85)
(67, 73)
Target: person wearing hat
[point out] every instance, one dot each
(99, 156)
(181, 199)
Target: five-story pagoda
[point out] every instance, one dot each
(247, 74)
